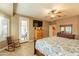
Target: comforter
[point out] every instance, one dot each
(58, 46)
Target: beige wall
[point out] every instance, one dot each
(78, 25)
(14, 30)
(3, 43)
(31, 29)
(15, 27)
(46, 28)
(78, 28)
(72, 20)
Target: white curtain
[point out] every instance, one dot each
(4, 27)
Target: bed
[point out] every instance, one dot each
(57, 46)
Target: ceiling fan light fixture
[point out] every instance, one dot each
(56, 11)
(52, 15)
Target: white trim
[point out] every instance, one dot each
(3, 48)
(2, 39)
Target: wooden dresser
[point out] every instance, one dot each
(38, 33)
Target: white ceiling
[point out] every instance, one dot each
(40, 10)
(7, 8)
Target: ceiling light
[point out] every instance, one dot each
(56, 11)
(52, 15)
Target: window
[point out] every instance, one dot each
(62, 29)
(23, 29)
(4, 27)
(66, 28)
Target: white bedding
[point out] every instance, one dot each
(58, 46)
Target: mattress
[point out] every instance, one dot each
(58, 46)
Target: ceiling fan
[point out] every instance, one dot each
(55, 13)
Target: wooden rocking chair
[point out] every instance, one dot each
(11, 44)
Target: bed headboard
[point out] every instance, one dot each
(66, 35)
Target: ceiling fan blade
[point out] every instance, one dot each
(55, 14)
(53, 11)
(60, 15)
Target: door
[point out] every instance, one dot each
(52, 30)
(23, 34)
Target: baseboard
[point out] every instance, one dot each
(3, 48)
(23, 42)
